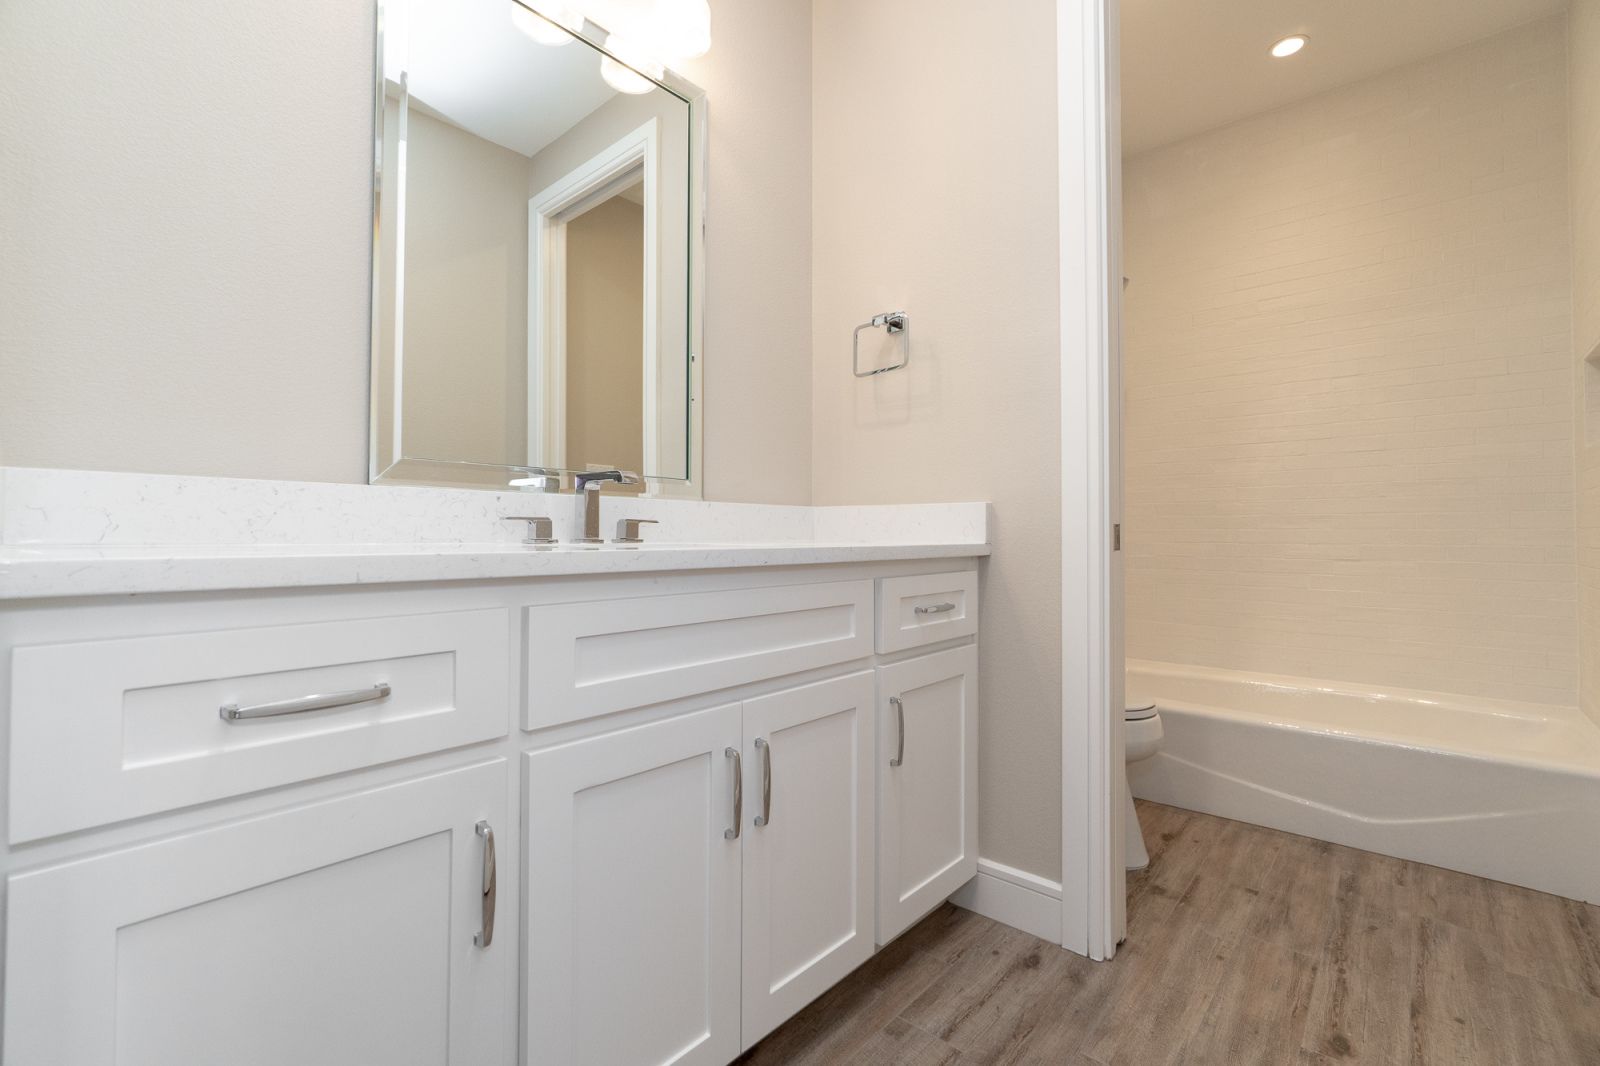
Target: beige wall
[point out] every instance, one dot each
(1584, 96)
(187, 226)
(1349, 428)
(757, 373)
(935, 192)
(188, 217)
(598, 131)
(605, 334)
(466, 306)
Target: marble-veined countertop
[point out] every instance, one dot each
(83, 533)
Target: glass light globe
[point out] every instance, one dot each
(682, 28)
(622, 76)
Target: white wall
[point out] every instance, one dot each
(1349, 420)
(935, 193)
(187, 212)
(1583, 43)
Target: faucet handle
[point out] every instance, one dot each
(595, 477)
(628, 530)
(540, 529)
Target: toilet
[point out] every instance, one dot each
(1142, 737)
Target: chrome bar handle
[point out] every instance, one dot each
(765, 817)
(232, 712)
(900, 717)
(486, 937)
(738, 793)
(935, 608)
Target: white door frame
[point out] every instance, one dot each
(548, 214)
(1092, 768)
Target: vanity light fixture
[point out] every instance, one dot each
(682, 28)
(546, 23)
(646, 36)
(1289, 46)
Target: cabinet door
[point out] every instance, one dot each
(632, 868)
(808, 850)
(333, 933)
(927, 784)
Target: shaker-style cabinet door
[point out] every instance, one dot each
(808, 870)
(632, 873)
(349, 930)
(927, 784)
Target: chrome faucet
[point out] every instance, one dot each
(587, 485)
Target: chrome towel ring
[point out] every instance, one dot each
(894, 322)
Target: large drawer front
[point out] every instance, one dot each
(927, 608)
(113, 729)
(592, 658)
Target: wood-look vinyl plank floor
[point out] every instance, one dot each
(1245, 945)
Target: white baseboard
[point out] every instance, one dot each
(1014, 897)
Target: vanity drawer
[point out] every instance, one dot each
(925, 609)
(111, 729)
(592, 658)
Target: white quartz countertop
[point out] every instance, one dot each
(66, 533)
(51, 572)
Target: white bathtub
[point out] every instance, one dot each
(1509, 791)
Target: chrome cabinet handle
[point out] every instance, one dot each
(935, 608)
(486, 937)
(765, 817)
(232, 712)
(738, 793)
(900, 717)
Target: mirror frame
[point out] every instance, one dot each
(419, 470)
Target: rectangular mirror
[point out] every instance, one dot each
(536, 282)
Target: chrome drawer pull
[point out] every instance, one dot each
(900, 717)
(935, 608)
(738, 792)
(232, 712)
(485, 938)
(765, 817)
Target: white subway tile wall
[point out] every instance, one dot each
(1584, 97)
(1349, 441)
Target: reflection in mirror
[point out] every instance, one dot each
(535, 292)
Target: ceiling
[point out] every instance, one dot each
(468, 63)
(1193, 65)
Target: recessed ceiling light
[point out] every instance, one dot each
(1289, 45)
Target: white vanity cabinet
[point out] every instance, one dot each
(927, 784)
(620, 820)
(343, 931)
(808, 840)
(632, 878)
(702, 877)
